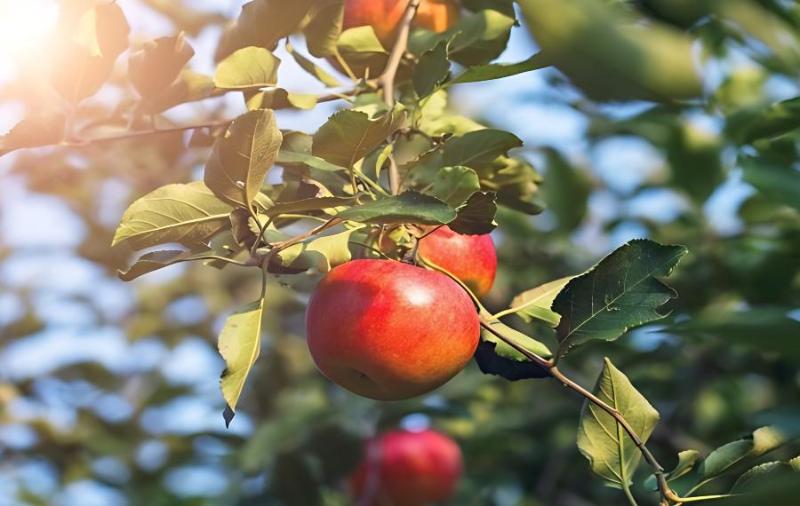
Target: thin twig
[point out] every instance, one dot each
(387, 78)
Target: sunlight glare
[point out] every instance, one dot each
(24, 27)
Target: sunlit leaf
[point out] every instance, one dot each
(241, 158)
(721, 460)
(323, 30)
(249, 67)
(239, 344)
(536, 302)
(189, 214)
(611, 452)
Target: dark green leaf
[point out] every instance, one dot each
(432, 70)
(408, 207)
(620, 292)
(491, 361)
(721, 460)
(488, 72)
(323, 31)
(779, 183)
(478, 147)
(476, 216)
(349, 135)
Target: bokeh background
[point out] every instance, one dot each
(109, 390)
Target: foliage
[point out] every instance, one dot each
(393, 157)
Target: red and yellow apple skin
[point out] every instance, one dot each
(384, 16)
(470, 258)
(404, 468)
(388, 330)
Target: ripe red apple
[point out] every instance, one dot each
(389, 330)
(470, 258)
(404, 468)
(385, 15)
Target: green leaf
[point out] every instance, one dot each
(477, 38)
(155, 260)
(721, 460)
(620, 292)
(755, 476)
(294, 158)
(536, 302)
(611, 453)
(408, 207)
(768, 329)
(322, 32)
(476, 216)
(239, 344)
(361, 39)
(687, 460)
(322, 253)
(241, 158)
(156, 66)
(479, 147)
(754, 123)
(453, 185)
(778, 183)
(278, 98)
(262, 23)
(491, 71)
(188, 214)
(349, 135)
(432, 70)
(305, 205)
(249, 67)
(189, 87)
(517, 338)
(312, 68)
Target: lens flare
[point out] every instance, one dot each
(24, 28)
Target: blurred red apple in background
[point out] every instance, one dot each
(404, 468)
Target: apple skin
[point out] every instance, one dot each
(470, 258)
(385, 15)
(388, 330)
(404, 468)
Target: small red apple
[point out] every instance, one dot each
(385, 15)
(389, 330)
(404, 468)
(470, 258)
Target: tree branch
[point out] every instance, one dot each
(387, 78)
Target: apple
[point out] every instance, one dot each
(385, 15)
(404, 468)
(389, 330)
(470, 258)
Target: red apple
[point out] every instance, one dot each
(470, 258)
(404, 468)
(385, 15)
(389, 330)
